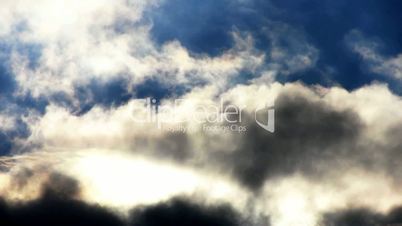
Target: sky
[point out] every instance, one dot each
(204, 113)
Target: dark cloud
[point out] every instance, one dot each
(363, 217)
(60, 205)
(174, 145)
(310, 138)
(50, 212)
(181, 212)
(391, 154)
(61, 187)
(57, 206)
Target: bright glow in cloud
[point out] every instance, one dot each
(125, 181)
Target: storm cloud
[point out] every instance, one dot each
(363, 217)
(310, 138)
(59, 204)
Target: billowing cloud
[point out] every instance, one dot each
(76, 48)
(329, 147)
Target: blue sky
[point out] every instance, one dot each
(202, 26)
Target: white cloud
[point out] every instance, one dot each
(7, 122)
(80, 43)
(290, 51)
(375, 61)
(375, 104)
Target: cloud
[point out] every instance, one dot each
(286, 47)
(74, 56)
(283, 201)
(375, 61)
(310, 138)
(330, 138)
(13, 126)
(317, 130)
(181, 212)
(76, 50)
(59, 204)
(73, 77)
(362, 216)
(55, 210)
(67, 55)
